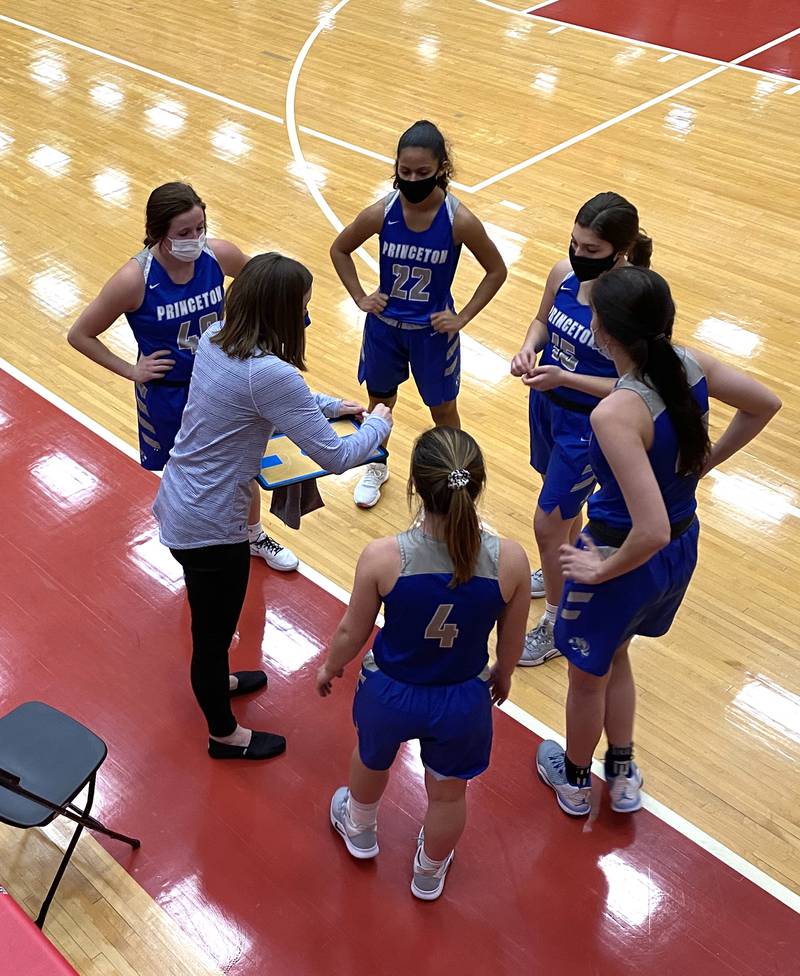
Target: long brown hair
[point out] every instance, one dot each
(616, 220)
(166, 202)
(635, 307)
(448, 474)
(264, 310)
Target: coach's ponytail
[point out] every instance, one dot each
(448, 474)
(634, 307)
(616, 220)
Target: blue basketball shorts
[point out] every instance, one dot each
(159, 408)
(560, 453)
(452, 722)
(434, 359)
(593, 621)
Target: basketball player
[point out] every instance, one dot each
(444, 584)
(411, 319)
(170, 293)
(571, 378)
(630, 569)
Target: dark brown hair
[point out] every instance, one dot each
(166, 202)
(635, 307)
(425, 135)
(615, 220)
(437, 455)
(264, 310)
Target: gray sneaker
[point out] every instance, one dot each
(574, 800)
(626, 791)
(362, 844)
(538, 646)
(427, 884)
(537, 585)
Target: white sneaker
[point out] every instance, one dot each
(537, 585)
(550, 762)
(361, 842)
(425, 883)
(368, 489)
(274, 554)
(539, 645)
(626, 791)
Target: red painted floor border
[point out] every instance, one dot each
(242, 855)
(720, 29)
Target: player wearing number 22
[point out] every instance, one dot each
(566, 385)
(411, 320)
(444, 585)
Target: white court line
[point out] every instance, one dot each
(631, 112)
(792, 91)
(595, 129)
(538, 6)
(557, 30)
(511, 205)
(668, 57)
(672, 819)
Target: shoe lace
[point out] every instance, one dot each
(373, 476)
(267, 542)
(539, 637)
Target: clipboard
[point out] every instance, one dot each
(285, 464)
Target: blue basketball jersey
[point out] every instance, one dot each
(417, 268)
(175, 316)
(678, 491)
(570, 344)
(434, 635)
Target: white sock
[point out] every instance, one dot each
(550, 613)
(428, 863)
(239, 737)
(363, 816)
(254, 531)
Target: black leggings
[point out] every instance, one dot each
(216, 582)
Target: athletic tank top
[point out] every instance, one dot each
(570, 344)
(678, 491)
(434, 635)
(417, 267)
(175, 316)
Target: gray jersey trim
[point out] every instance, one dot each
(144, 259)
(452, 203)
(694, 373)
(390, 199)
(420, 554)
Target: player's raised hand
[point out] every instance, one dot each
(447, 321)
(524, 362)
(374, 303)
(152, 367)
(544, 378)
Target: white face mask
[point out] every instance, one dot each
(187, 249)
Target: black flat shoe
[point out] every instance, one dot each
(249, 681)
(263, 745)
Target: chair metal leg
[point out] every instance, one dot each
(67, 855)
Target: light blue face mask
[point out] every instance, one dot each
(601, 349)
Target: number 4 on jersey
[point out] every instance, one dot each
(439, 630)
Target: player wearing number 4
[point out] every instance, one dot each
(411, 319)
(443, 584)
(565, 387)
(170, 293)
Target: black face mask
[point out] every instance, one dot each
(415, 191)
(587, 269)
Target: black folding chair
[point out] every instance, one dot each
(46, 759)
